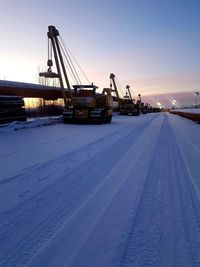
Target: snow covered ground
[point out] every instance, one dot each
(121, 194)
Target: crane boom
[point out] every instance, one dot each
(53, 34)
(112, 77)
(128, 89)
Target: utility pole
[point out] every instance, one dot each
(196, 94)
(173, 103)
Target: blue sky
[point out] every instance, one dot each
(154, 46)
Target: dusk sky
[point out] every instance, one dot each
(152, 45)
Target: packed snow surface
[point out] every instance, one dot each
(120, 194)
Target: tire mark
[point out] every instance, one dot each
(58, 202)
(150, 235)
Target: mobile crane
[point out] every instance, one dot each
(126, 104)
(144, 107)
(82, 103)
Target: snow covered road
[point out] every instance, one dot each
(124, 194)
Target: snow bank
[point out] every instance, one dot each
(191, 114)
(38, 122)
(188, 110)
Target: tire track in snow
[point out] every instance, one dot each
(57, 203)
(190, 207)
(139, 240)
(165, 233)
(107, 213)
(47, 173)
(72, 157)
(187, 136)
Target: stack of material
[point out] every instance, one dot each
(12, 109)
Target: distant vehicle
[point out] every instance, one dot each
(82, 103)
(126, 105)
